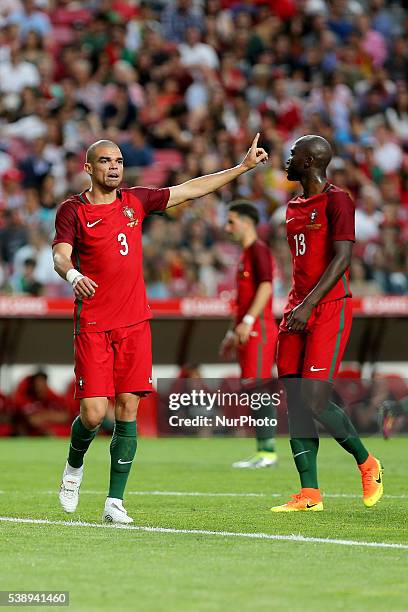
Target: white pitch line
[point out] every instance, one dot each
(198, 494)
(205, 494)
(225, 534)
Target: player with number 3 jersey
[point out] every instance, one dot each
(98, 249)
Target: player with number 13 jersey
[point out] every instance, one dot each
(313, 225)
(317, 322)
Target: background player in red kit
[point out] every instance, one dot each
(317, 322)
(98, 249)
(254, 333)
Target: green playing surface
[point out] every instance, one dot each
(188, 484)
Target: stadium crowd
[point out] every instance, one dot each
(183, 86)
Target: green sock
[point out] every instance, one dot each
(81, 438)
(122, 451)
(338, 424)
(265, 434)
(304, 439)
(265, 445)
(400, 407)
(304, 451)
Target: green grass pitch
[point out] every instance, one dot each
(118, 569)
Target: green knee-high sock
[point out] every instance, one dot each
(304, 439)
(122, 451)
(265, 434)
(304, 451)
(81, 438)
(338, 424)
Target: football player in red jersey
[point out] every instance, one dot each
(254, 332)
(317, 322)
(98, 249)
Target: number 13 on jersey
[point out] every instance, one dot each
(122, 240)
(300, 244)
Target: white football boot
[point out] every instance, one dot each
(114, 512)
(261, 459)
(69, 490)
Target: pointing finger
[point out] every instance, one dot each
(255, 141)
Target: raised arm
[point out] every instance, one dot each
(201, 186)
(82, 285)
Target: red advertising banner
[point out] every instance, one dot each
(37, 307)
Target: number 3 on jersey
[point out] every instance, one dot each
(300, 244)
(122, 240)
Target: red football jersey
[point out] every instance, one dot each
(255, 266)
(312, 225)
(107, 247)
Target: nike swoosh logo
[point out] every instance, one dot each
(313, 369)
(150, 379)
(301, 453)
(94, 223)
(310, 505)
(378, 480)
(123, 462)
(291, 219)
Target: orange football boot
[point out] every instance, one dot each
(372, 481)
(306, 500)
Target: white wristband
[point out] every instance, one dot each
(230, 334)
(73, 276)
(249, 320)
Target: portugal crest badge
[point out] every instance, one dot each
(130, 214)
(313, 225)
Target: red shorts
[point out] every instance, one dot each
(257, 356)
(318, 351)
(112, 362)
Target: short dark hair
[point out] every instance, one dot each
(244, 208)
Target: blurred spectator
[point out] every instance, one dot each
(25, 282)
(397, 115)
(35, 167)
(13, 194)
(120, 113)
(37, 249)
(183, 86)
(360, 283)
(388, 154)
(136, 151)
(39, 411)
(177, 17)
(31, 19)
(368, 216)
(397, 61)
(194, 52)
(17, 73)
(33, 49)
(13, 235)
